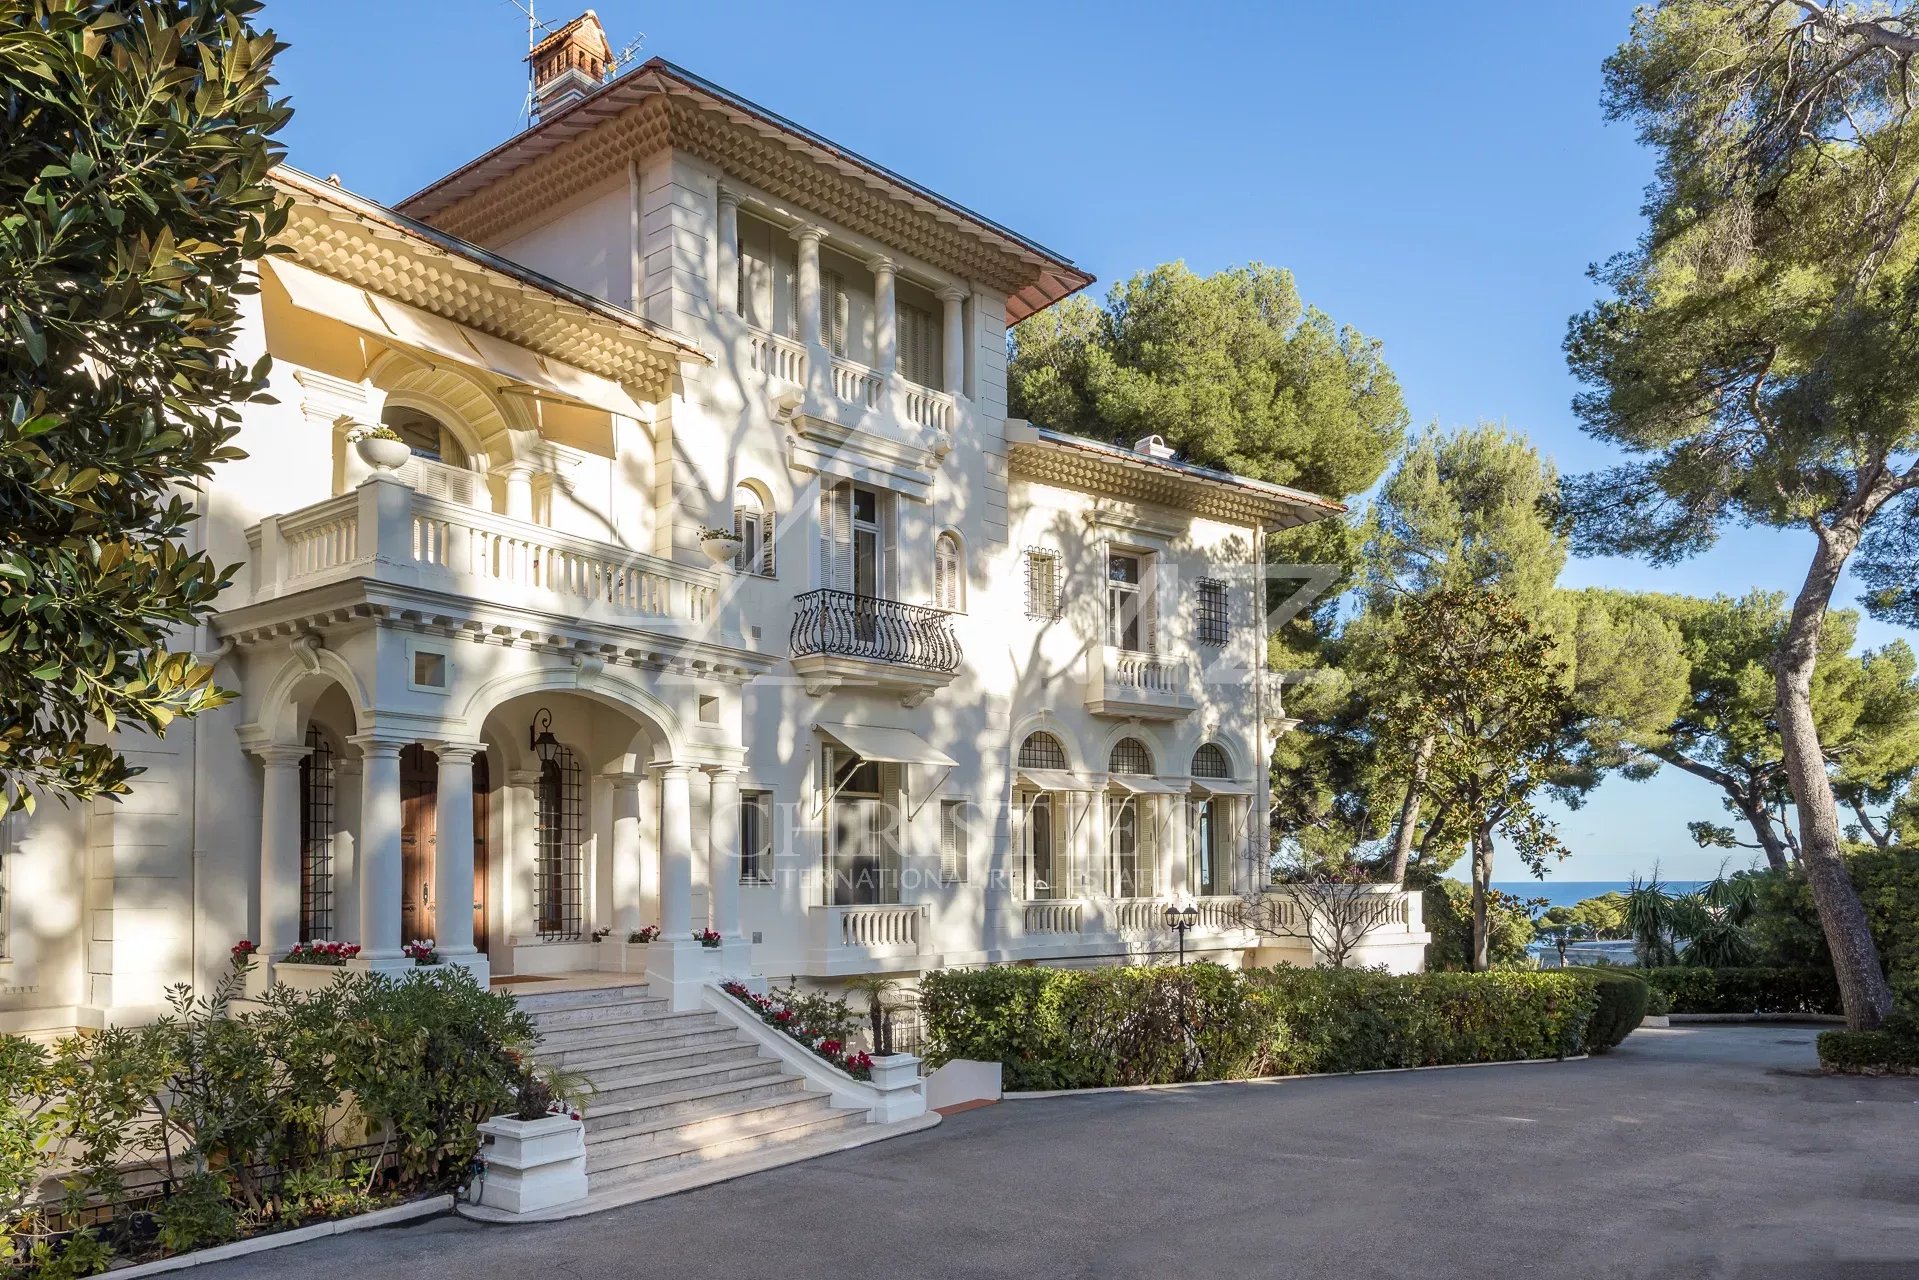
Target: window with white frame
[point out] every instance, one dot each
(756, 837)
(1210, 761)
(955, 840)
(753, 526)
(856, 540)
(1129, 824)
(1042, 583)
(1040, 838)
(1131, 613)
(1211, 618)
(948, 578)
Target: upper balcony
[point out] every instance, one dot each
(388, 531)
(841, 638)
(1138, 686)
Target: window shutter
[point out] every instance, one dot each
(946, 572)
(836, 537)
(888, 575)
(833, 309)
(1042, 584)
(953, 849)
(1146, 878)
(919, 354)
(1149, 603)
(767, 525)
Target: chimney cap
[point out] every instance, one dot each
(569, 64)
(1154, 447)
(584, 30)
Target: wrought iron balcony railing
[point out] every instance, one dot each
(843, 624)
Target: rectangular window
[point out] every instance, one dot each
(756, 837)
(1042, 584)
(920, 339)
(1130, 613)
(1212, 611)
(955, 841)
(835, 311)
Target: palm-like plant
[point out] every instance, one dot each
(1713, 921)
(1651, 914)
(875, 988)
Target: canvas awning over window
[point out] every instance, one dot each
(1055, 780)
(897, 746)
(399, 323)
(1141, 785)
(1222, 787)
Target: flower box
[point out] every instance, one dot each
(533, 1164)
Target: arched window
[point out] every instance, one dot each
(316, 837)
(426, 435)
(1130, 756)
(559, 874)
(1210, 762)
(1041, 751)
(947, 575)
(753, 526)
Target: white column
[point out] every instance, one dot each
(723, 852)
(346, 848)
(953, 360)
(280, 849)
(886, 317)
(522, 839)
(676, 852)
(1092, 870)
(809, 286)
(729, 281)
(379, 867)
(519, 493)
(627, 853)
(1176, 848)
(453, 848)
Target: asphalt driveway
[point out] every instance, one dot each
(1696, 1152)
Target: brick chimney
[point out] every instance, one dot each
(568, 65)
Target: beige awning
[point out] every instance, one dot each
(1141, 785)
(526, 372)
(1055, 780)
(897, 746)
(1222, 787)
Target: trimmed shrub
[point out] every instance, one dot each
(1083, 1028)
(1658, 1002)
(1747, 990)
(1623, 997)
(1868, 1053)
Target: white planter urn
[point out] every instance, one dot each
(382, 454)
(533, 1164)
(721, 550)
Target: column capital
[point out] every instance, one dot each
(881, 262)
(674, 769)
(722, 771)
(276, 756)
(953, 293)
(522, 777)
(728, 197)
(379, 744)
(809, 233)
(453, 752)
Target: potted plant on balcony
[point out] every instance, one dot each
(720, 545)
(381, 448)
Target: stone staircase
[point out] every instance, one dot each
(674, 1092)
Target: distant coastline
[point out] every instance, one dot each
(1566, 893)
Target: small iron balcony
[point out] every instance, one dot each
(842, 624)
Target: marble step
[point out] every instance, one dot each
(622, 1088)
(624, 1162)
(627, 1030)
(686, 1104)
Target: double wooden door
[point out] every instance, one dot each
(419, 844)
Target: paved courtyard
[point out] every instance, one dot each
(1695, 1152)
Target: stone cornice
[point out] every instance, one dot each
(659, 107)
(361, 243)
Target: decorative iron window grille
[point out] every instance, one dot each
(1213, 626)
(559, 873)
(1210, 762)
(317, 780)
(1041, 751)
(1130, 756)
(1042, 583)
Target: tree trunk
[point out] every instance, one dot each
(1759, 818)
(1862, 981)
(1409, 812)
(1482, 855)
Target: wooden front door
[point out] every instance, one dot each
(419, 797)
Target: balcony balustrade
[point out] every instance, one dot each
(866, 937)
(844, 624)
(1138, 686)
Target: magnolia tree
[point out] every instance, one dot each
(134, 200)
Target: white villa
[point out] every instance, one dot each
(711, 588)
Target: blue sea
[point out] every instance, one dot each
(1566, 893)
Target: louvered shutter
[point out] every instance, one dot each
(946, 572)
(952, 842)
(767, 525)
(836, 537)
(833, 312)
(890, 810)
(1146, 877)
(1149, 604)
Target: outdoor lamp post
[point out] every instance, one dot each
(1179, 919)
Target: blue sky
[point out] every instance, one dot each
(1439, 177)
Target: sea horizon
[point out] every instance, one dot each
(1566, 893)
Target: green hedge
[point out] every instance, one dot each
(1084, 1028)
(1869, 1053)
(1623, 997)
(1749, 990)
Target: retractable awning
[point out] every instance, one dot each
(894, 746)
(1055, 780)
(526, 372)
(1222, 787)
(1141, 785)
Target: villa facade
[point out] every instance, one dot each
(952, 689)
